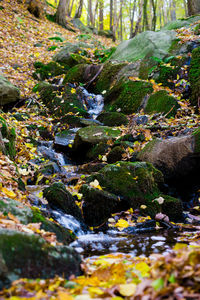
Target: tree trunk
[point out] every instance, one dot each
(193, 7)
(90, 14)
(111, 15)
(79, 10)
(145, 16)
(139, 19)
(154, 19)
(114, 19)
(173, 10)
(101, 6)
(61, 13)
(121, 21)
(132, 15)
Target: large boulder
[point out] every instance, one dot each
(175, 157)
(8, 92)
(149, 42)
(29, 256)
(134, 184)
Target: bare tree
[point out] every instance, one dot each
(79, 10)
(101, 7)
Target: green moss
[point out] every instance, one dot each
(161, 102)
(194, 76)
(127, 95)
(75, 74)
(49, 70)
(134, 182)
(197, 29)
(97, 150)
(172, 207)
(112, 119)
(9, 135)
(196, 135)
(29, 256)
(105, 79)
(115, 154)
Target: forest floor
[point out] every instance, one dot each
(114, 276)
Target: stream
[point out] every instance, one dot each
(88, 242)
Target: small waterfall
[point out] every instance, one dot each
(92, 103)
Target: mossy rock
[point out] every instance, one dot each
(63, 56)
(172, 207)
(185, 22)
(47, 71)
(27, 215)
(136, 183)
(60, 106)
(197, 29)
(107, 76)
(161, 102)
(59, 197)
(19, 210)
(112, 119)
(9, 136)
(99, 149)
(127, 96)
(29, 256)
(63, 235)
(98, 205)
(8, 92)
(76, 74)
(157, 43)
(116, 154)
(194, 76)
(90, 136)
(196, 135)
(71, 120)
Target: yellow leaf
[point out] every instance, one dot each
(143, 268)
(95, 184)
(180, 246)
(127, 290)
(95, 291)
(64, 296)
(9, 193)
(122, 223)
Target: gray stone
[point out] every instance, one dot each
(8, 92)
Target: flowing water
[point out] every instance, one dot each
(90, 243)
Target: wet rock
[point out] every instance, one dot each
(64, 138)
(112, 119)
(98, 205)
(175, 157)
(8, 92)
(97, 150)
(147, 226)
(91, 167)
(27, 215)
(140, 120)
(63, 235)
(29, 256)
(58, 197)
